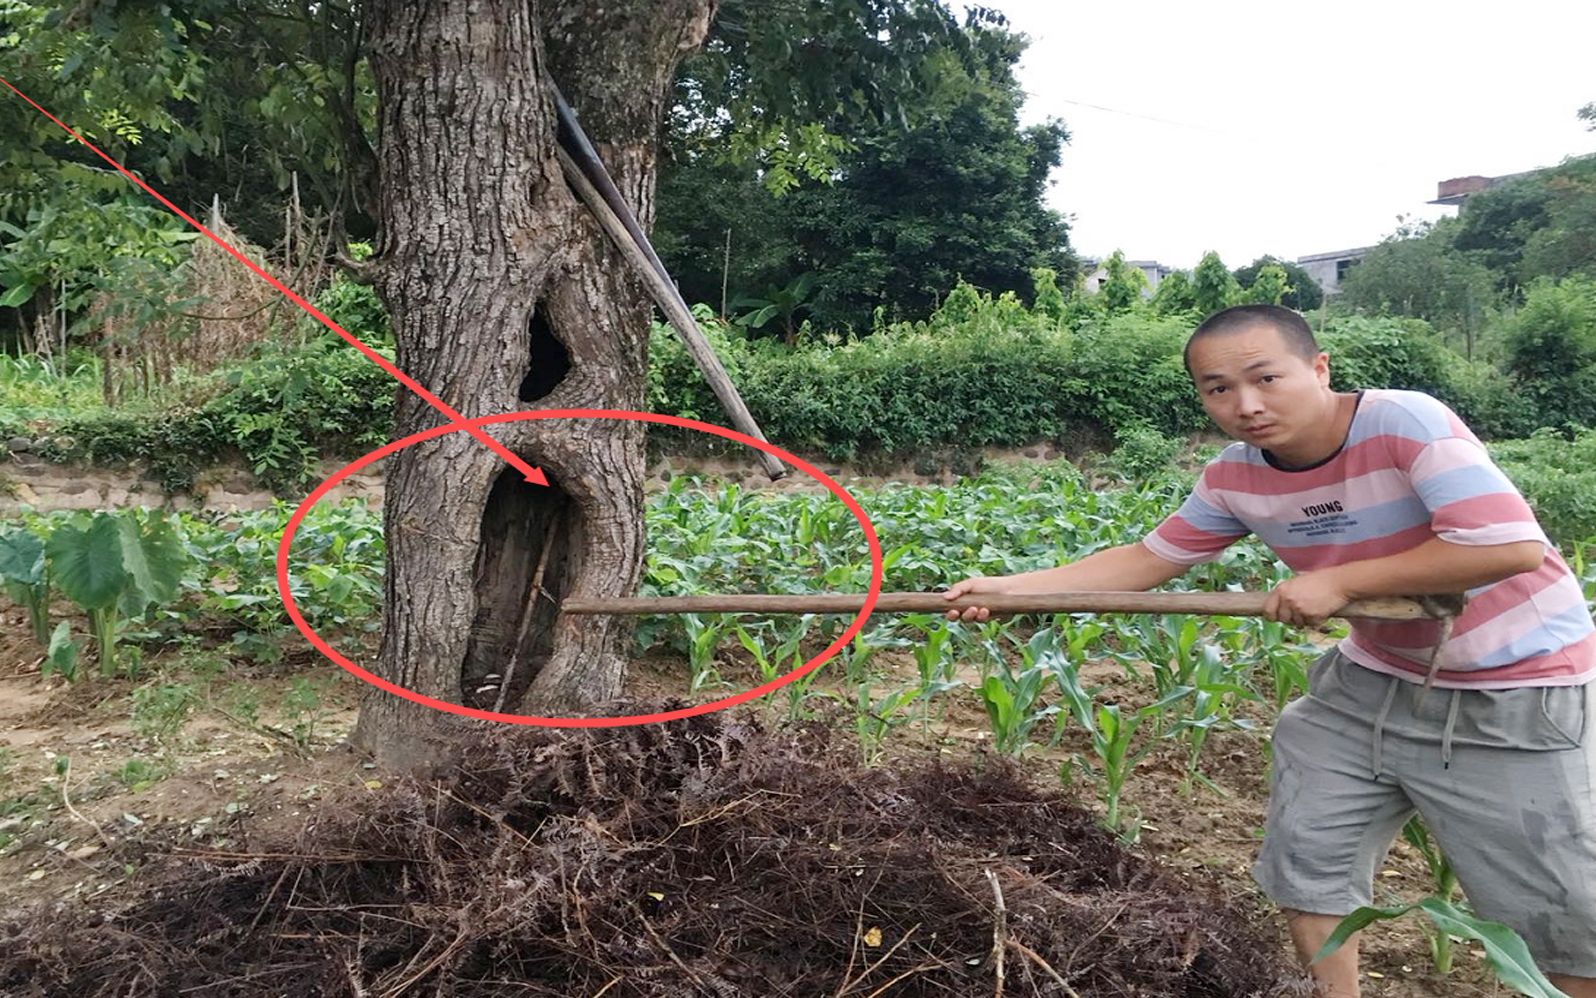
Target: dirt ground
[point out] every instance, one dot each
(224, 781)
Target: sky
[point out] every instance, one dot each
(1292, 129)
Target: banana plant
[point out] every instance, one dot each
(26, 578)
(114, 566)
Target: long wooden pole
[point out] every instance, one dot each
(1226, 604)
(585, 172)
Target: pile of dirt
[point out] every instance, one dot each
(704, 857)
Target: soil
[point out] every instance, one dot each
(86, 841)
(102, 813)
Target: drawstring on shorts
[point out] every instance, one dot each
(1385, 709)
(1379, 721)
(1446, 733)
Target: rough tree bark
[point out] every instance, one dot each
(505, 296)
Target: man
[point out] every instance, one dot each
(1387, 493)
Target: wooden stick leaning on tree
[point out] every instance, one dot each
(585, 173)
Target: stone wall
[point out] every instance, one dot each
(28, 480)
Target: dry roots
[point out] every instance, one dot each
(703, 857)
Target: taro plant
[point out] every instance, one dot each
(62, 654)
(114, 566)
(26, 578)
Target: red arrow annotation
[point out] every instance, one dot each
(533, 475)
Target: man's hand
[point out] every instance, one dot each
(1306, 600)
(976, 584)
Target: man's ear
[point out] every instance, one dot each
(1321, 368)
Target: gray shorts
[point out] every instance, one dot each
(1503, 779)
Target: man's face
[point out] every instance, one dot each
(1258, 389)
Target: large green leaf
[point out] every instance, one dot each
(63, 654)
(153, 557)
(87, 564)
(21, 557)
(17, 296)
(1506, 951)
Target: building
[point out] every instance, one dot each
(1097, 272)
(1457, 190)
(1328, 269)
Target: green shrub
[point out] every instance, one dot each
(1558, 479)
(1143, 453)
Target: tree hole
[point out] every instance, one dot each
(525, 528)
(548, 361)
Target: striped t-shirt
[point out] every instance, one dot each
(1408, 471)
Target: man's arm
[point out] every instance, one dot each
(1436, 566)
(1127, 568)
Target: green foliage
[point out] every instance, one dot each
(1558, 478)
(784, 304)
(1534, 226)
(1301, 292)
(139, 775)
(1142, 452)
(282, 411)
(1419, 272)
(161, 710)
(1175, 296)
(1122, 287)
(1551, 350)
(1504, 949)
(1383, 353)
(767, 92)
(1047, 300)
(1213, 287)
(1269, 288)
(952, 188)
(356, 308)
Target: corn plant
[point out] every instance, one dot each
(1211, 693)
(1443, 885)
(786, 656)
(703, 638)
(873, 719)
(1012, 697)
(1505, 950)
(933, 660)
(1112, 734)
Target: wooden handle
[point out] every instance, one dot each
(1227, 604)
(633, 245)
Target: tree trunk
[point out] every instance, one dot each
(505, 296)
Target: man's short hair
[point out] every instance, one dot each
(1293, 327)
